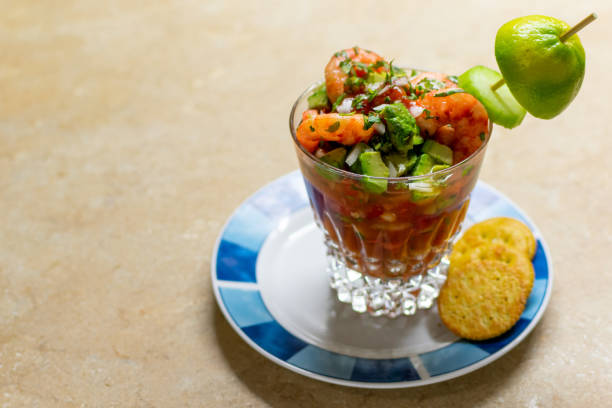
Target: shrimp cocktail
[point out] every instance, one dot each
(389, 157)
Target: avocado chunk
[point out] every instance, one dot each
(375, 77)
(439, 152)
(500, 104)
(335, 157)
(439, 167)
(402, 163)
(401, 126)
(373, 165)
(318, 99)
(352, 159)
(423, 165)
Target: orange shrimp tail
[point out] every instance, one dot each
(335, 77)
(332, 127)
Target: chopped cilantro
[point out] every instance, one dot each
(358, 101)
(398, 72)
(482, 136)
(450, 92)
(354, 84)
(453, 78)
(429, 84)
(341, 54)
(373, 93)
(378, 64)
(370, 120)
(428, 115)
(338, 102)
(334, 126)
(356, 50)
(311, 128)
(360, 65)
(345, 66)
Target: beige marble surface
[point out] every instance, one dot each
(130, 130)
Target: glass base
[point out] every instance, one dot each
(385, 297)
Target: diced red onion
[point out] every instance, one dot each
(392, 170)
(346, 106)
(379, 128)
(401, 81)
(416, 110)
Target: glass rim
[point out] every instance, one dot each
(348, 174)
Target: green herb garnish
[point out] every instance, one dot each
(370, 120)
(378, 64)
(354, 83)
(341, 54)
(429, 84)
(450, 92)
(338, 101)
(345, 66)
(428, 115)
(334, 126)
(358, 101)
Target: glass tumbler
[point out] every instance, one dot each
(387, 252)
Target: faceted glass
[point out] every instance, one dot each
(387, 252)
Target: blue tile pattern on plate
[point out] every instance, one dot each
(496, 344)
(245, 305)
(281, 198)
(317, 360)
(248, 227)
(540, 263)
(387, 370)
(235, 263)
(535, 299)
(273, 338)
(452, 357)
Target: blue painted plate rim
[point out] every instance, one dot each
(392, 384)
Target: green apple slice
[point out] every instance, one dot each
(501, 106)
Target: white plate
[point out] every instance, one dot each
(269, 278)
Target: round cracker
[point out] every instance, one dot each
(502, 230)
(482, 299)
(488, 251)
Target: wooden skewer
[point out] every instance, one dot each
(585, 21)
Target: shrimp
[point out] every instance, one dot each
(433, 80)
(333, 127)
(335, 77)
(457, 120)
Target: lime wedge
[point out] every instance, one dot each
(543, 73)
(501, 106)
